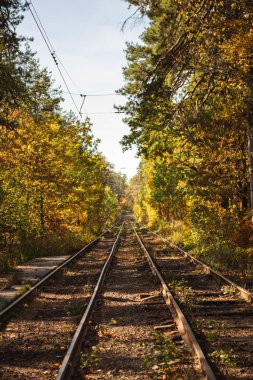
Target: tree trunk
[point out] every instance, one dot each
(250, 150)
(250, 135)
(42, 222)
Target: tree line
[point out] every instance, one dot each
(189, 84)
(57, 190)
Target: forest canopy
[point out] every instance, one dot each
(189, 84)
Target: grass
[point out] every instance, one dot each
(223, 249)
(163, 354)
(167, 360)
(228, 358)
(229, 290)
(16, 253)
(24, 289)
(88, 289)
(90, 360)
(183, 292)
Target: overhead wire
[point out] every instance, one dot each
(49, 42)
(81, 94)
(52, 52)
(41, 25)
(90, 95)
(57, 61)
(102, 113)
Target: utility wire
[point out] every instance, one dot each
(43, 36)
(41, 25)
(52, 48)
(66, 71)
(89, 95)
(81, 94)
(57, 61)
(102, 113)
(52, 51)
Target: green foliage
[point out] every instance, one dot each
(90, 360)
(229, 290)
(189, 110)
(228, 358)
(23, 289)
(56, 190)
(183, 292)
(164, 354)
(14, 62)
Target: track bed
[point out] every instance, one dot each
(222, 322)
(35, 340)
(125, 341)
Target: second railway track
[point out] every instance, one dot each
(221, 320)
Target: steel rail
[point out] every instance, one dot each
(72, 354)
(10, 308)
(178, 316)
(244, 293)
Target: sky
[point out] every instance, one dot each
(87, 37)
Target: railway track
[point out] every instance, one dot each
(37, 329)
(214, 306)
(244, 293)
(108, 317)
(8, 310)
(133, 333)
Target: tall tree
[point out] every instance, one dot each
(12, 61)
(190, 83)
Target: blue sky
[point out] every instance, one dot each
(88, 39)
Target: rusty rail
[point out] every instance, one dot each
(72, 355)
(180, 320)
(4, 314)
(244, 293)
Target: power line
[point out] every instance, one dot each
(57, 61)
(52, 52)
(52, 48)
(41, 25)
(89, 95)
(66, 71)
(81, 94)
(102, 113)
(43, 36)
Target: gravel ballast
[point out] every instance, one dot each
(124, 341)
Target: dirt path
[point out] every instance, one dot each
(123, 343)
(28, 273)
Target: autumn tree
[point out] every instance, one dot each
(189, 89)
(57, 191)
(13, 62)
